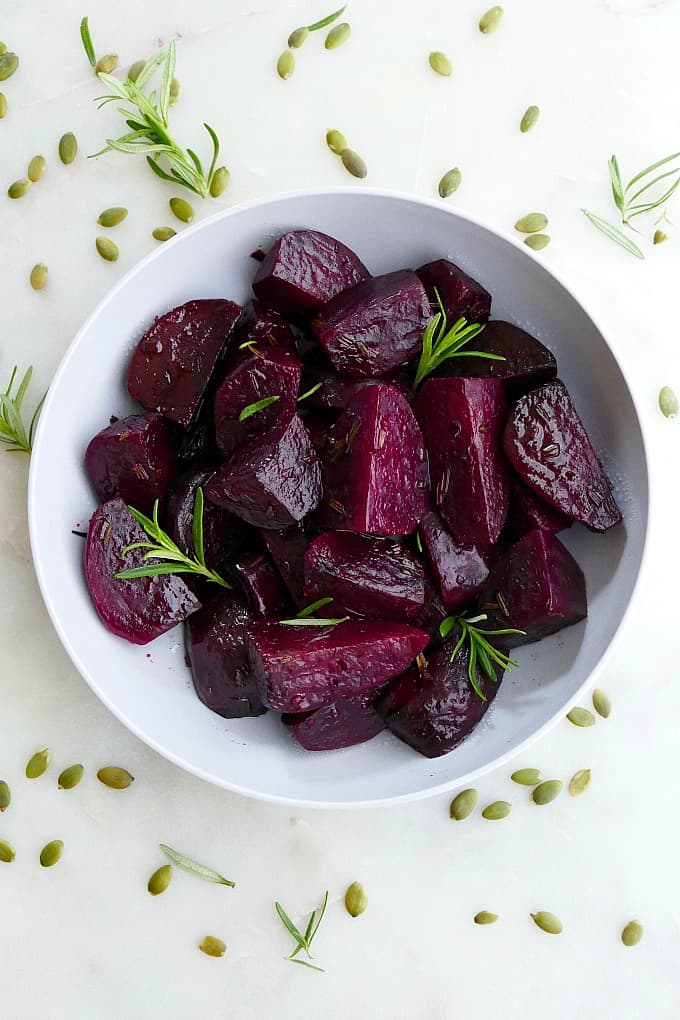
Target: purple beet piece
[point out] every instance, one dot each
(371, 577)
(223, 535)
(549, 448)
(262, 373)
(273, 480)
(134, 458)
(528, 362)
(375, 466)
(528, 512)
(171, 366)
(460, 294)
(264, 328)
(287, 549)
(298, 669)
(215, 640)
(459, 570)
(375, 327)
(343, 724)
(304, 270)
(261, 586)
(336, 391)
(433, 612)
(435, 710)
(137, 609)
(536, 586)
(462, 422)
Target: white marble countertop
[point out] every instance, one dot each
(84, 941)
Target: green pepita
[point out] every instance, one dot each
(107, 64)
(660, 236)
(3, 48)
(7, 852)
(440, 63)
(527, 777)
(353, 163)
(182, 209)
(485, 917)
(3, 105)
(38, 276)
(497, 810)
(212, 946)
(112, 217)
(581, 717)
(547, 922)
(529, 119)
(115, 777)
(601, 703)
(297, 37)
(68, 148)
(70, 777)
(285, 65)
(579, 782)
(356, 899)
(19, 188)
(545, 792)
(632, 933)
(36, 168)
(8, 65)
(338, 35)
(537, 242)
(668, 402)
(490, 21)
(51, 853)
(219, 182)
(107, 248)
(175, 90)
(336, 141)
(531, 223)
(5, 795)
(463, 804)
(160, 880)
(37, 763)
(163, 233)
(136, 69)
(449, 183)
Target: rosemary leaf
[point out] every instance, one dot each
(614, 234)
(259, 405)
(313, 606)
(13, 432)
(194, 868)
(87, 42)
(328, 20)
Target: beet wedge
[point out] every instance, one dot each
(171, 366)
(287, 549)
(549, 448)
(335, 391)
(265, 329)
(300, 668)
(223, 535)
(273, 480)
(459, 570)
(528, 362)
(304, 270)
(343, 724)
(528, 512)
(134, 458)
(371, 577)
(375, 466)
(376, 327)
(215, 639)
(262, 586)
(461, 296)
(138, 609)
(462, 422)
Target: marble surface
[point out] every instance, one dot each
(84, 941)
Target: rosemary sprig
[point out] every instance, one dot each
(167, 556)
(304, 942)
(250, 409)
(194, 868)
(482, 653)
(12, 429)
(305, 617)
(88, 45)
(441, 342)
(309, 392)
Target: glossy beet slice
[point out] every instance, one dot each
(528, 362)
(528, 512)
(304, 270)
(549, 448)
(343, 724)
(223, 535)
(301, 668)
(460, 294)
(435, 710)
(273, 480)
(459, 570)
(375, 466)
(537, 586)
(139, 609)
(134, 458)
(215, 639)
(376, 326)
(462, 422)
(370, 577)
(260, 374)
(287, 549)
(172, 364)
(264, 328)
(261, 585)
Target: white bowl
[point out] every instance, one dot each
(149, 688)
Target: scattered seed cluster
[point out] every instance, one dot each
(352, 162)
(9, 63)
(336, 36)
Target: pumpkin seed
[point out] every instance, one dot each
(490, 21)
(136, 69)
(668, 402)
(485, 917)
(8, 65)
(449, 183)
(36, 168)
(356, 899)
(601, 703)
(175, 89)
(38, 276)
(68, 148)
(545, 792)
(547, 922)
(579, 782)
(107, 64)
(297, 37)
(112, 217)
(37, 763)
(537, 242)
(7, 852)
(338, 35)
(3, 105)
(531, 223)
(581, 717)
(463, 804)
(440, 63)
(19, 188)
(182, 209)
(107, 248)
(51, 853)
(5, 795)
(527, 777)
(70, 777)
(497, 810)
(529, 119)
(115, 777)
(163, 233)
(632, 933)
(336, 142)
(285, 65)
(353, 163)
(3, 48)
(160, 880)
(660, 237)
(220, 180)
(212, 946)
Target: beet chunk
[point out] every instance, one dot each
(433, 612)
(343, 724)
(462, 422)
(135, 458)
(141, 608)
(372, 577)
(528, 362)
(273, 480)
(304, 270)
(171, 366)
(261, 585)
(215, 640)
(376, 326)
(548, 446)
(529, 513)
(298, 669)
(459, 293)
(223, 535)
(375, 466)
(537, 586)
(336, 391)
(459, 570)
(265, 329)
(287, 548)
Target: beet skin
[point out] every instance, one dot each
(343, 724)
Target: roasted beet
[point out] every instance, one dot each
(335, 391)
(548, 446)
(459, 570)
(376, 326)
(459, 293)
(343, 724)
(216, 646)
(287, 549)
(528, 512)
(527, 363)
(137, 609)
(171, 366)
(375, 466)
(371, 577)
(261, 585)
(273, 480)
(264, 328)
(223, 535)
(433, 612)
(462, 422)
(298, 669)
(134, 458)
(305, 269)
(536, 586)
